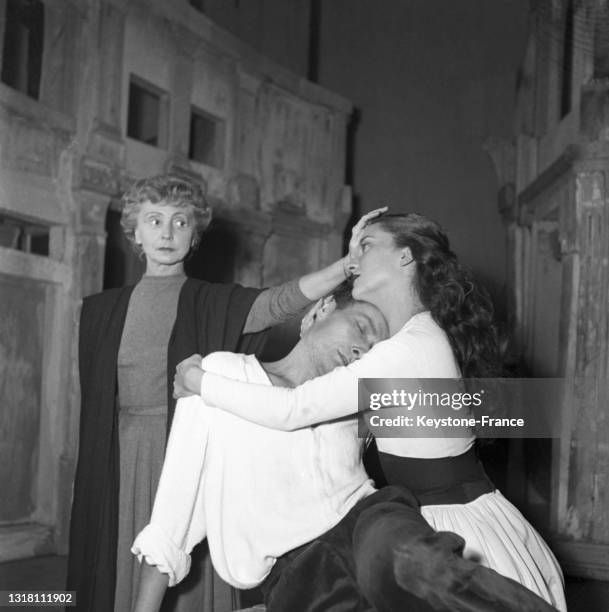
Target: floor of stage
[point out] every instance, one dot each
(48, 573)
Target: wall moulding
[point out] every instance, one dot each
(538, 190)
(32, 146)
(580, 157)
(23, 541)
(185, 40)
(18, 104)
(181, 15)
(585, 559)
(34, 267)
(33, 197)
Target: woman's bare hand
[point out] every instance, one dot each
(319, 310)
(355, 246)
(187, 380)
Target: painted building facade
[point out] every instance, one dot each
(94, 94)
(554, 199)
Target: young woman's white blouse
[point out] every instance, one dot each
(495, 532)
(419, 350)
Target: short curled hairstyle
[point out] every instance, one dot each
(165, 189)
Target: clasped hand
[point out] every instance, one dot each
(188, 376)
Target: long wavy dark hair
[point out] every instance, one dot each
(447, 289)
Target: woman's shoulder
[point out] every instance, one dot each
(217, 299)
(427, 343)
(422, 322)
(109, 305)
(197, 283)
(422, 328)
(106, 297)
(198, 286)
(197, 289)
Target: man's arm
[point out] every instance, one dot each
(153, 585)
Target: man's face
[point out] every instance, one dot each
(345, 335)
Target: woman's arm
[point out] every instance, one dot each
(278, 304)
(322, 399)
(325, 398)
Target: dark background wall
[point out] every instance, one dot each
(278, 29)
(431, 79)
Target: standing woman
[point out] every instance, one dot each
(441, 326)
(130, 341)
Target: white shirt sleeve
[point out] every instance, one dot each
(321, 399)
(177, 523)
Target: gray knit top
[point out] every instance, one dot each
(142, 356)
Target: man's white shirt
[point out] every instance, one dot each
(254, 492)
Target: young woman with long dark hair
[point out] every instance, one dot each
(441, 326)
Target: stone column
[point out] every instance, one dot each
(186, 44)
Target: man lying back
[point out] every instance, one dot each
(258, 493)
